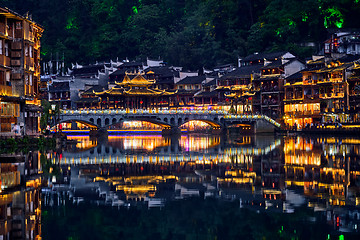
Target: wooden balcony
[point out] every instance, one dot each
(15, 63)
(16, 76)
(2, 29)
(5, 61)
(16, 54)
(6, 90)
(330, 80)
(16, 46)
(331, 95)
(19, 33)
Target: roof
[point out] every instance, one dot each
(334, 69)
(161, 71)
(206, 94)
(59, 87)
(88, 70)
(135, 80)
(130, 65)
(120, 91)
(90, 91)
(295, 76)
(211, 83)
(349, 58)
(275, 64)
(192, 80)
(242, 72)
(260, 56)
(317, 61)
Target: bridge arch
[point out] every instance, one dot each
(107, 121)
(153, 121)
(214, 124)
(86, 123)
(98, 122)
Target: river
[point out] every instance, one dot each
(196, 187)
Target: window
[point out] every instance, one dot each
(18, 25)
(30, 80)
(31, 51)
(7, 49)
(26, 50)
(1, 47)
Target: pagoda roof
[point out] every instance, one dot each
(138, 80)
(121, 91)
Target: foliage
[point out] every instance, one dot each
(189, 33)
(48, 116)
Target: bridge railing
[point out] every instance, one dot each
(253, 117)
(172, 111)
(141, 111)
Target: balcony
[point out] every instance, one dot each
(2, 28)
(330, 80)
(15, 63)
(331, 95)
(16, 46)
(5, 61)
(16, 54)
(6, 90)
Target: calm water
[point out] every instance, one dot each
(199, 187)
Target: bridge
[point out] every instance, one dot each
(170, 120)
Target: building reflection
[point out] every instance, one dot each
(20, 196)
(277, 174)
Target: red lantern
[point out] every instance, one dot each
(227, 99)
(116, 102)
(250, 98)
(141, 102)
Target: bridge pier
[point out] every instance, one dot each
(264, 127)
(170, 131)
(217, 131)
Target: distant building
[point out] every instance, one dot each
(19, 73)
(343, 42)
(59, 94)
(187, 88)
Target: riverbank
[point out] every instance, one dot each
(26, 143)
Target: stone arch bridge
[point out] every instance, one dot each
(170, 120)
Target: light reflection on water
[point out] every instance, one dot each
(264, 173)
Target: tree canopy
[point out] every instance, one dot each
(189, 33)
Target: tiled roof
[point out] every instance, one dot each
(192, 80)
(242, 72)
(260, 56)
(59, 87)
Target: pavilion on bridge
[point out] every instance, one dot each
(136, 92)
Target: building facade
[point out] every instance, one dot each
(19, 73)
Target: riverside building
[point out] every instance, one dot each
(19, 74)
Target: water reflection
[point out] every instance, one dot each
(20, 200)
(276, 174)
(265, 174)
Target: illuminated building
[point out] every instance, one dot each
(136, 92)
(302, 102)
(187, 88)
(59, 94)
(19, 72)
(354, 92)
(88, 99)
(237, 90)
(343, 42)
(272, 84)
